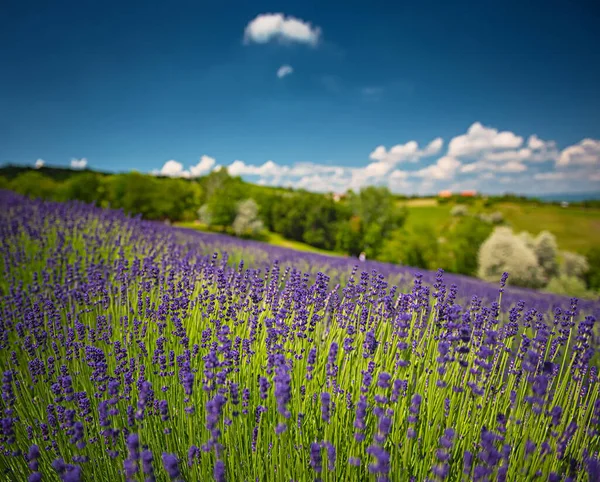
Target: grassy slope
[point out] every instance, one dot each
(271, 238)
(576, 229)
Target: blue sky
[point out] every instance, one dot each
(419, 96)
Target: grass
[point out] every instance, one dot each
(576, 229)
(268, 237)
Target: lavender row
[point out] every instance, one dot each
(128, 351)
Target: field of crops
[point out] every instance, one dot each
(130, 350)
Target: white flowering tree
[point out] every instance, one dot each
(546, 251)
(247, 221)
(503, 251)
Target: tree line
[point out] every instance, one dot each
(370, 221)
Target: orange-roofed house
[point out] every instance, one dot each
(468, 193)
(445, 193)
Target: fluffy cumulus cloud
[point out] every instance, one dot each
(586, 153)
(39, 163)
(286, 29)
(480, 139)
(284, 70)
(174, 168)
(444, 168)
(79, 163)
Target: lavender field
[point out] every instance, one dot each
(134, 351)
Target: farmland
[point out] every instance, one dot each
(135, 350)
(530, 217)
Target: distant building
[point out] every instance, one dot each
(469, 193)
(564, 204)
(445, 193)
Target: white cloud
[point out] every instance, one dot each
(174, 168)
(39, 163)
(433, 148)
(534, 142)
(510, 166)
(406, 152)
(204, 165)
(79, 163)
(284, 70)
(586, 153)
(444, 168)
(480, 139)
(580, 174)
(276, 26)
(485, 158)
(550, 176)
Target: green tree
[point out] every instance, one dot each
(464, 241)
(417, 247)
(84, 187)
(379, 216)
(592, 276)
(35, 185)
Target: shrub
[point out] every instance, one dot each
(569, 285)
(573, 265)
(496, 217)
(503, 251)
(459, 210)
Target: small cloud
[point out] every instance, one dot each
(39, 163)
(79, 163)
(276, 26)
(174, 168)
(284, 70)
(433, 148)
(205, 165)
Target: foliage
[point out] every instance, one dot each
(464, 241)
(247, 222)
(459, 210)
(495, 217)
(592, 276)
(204, 215)
(417, 246)
(546, 251)
(505, 252)
(573, 265)
(569, 285)
(35, 185)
